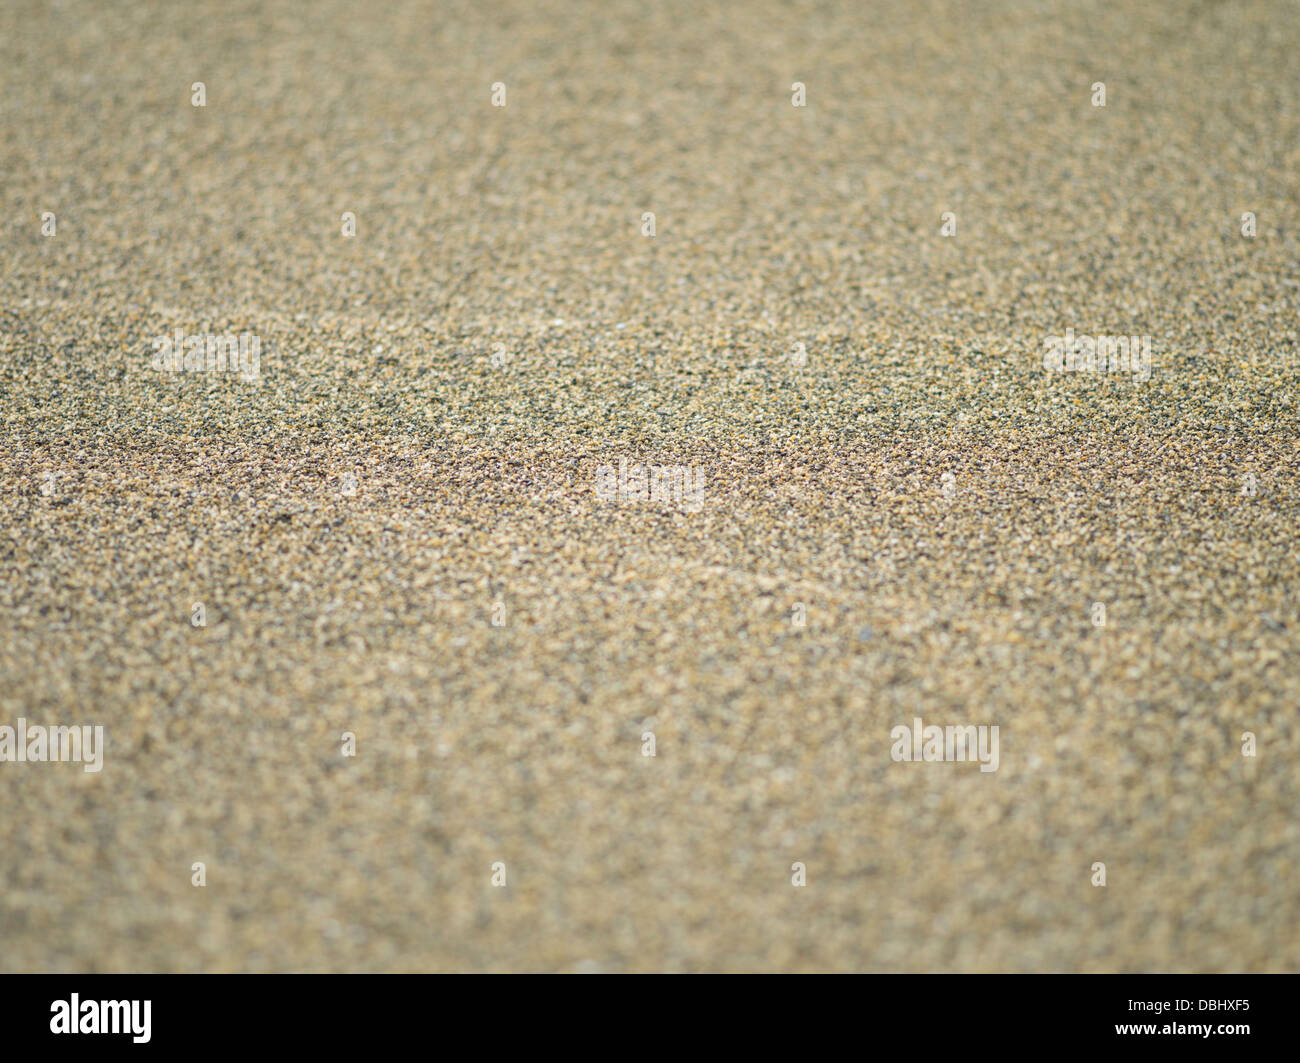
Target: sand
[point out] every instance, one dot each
(394, 532)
